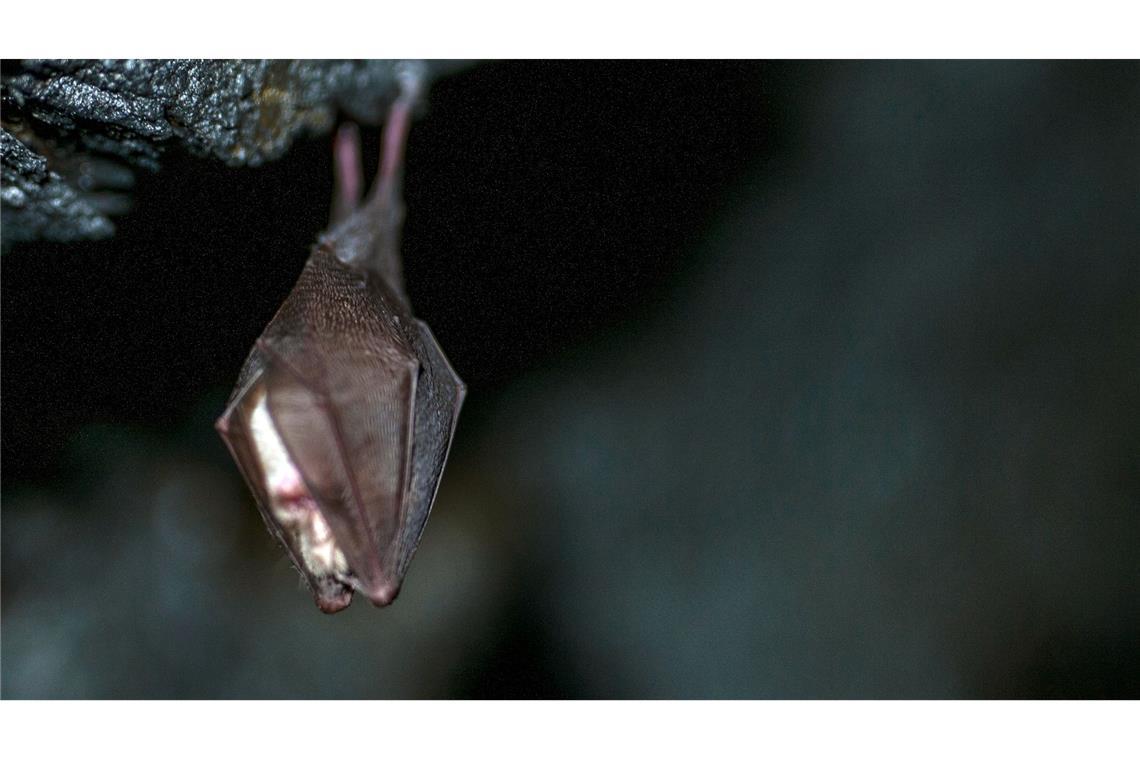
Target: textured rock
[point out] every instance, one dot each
(38, 203)
(241, 112)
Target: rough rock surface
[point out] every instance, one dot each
(63, 120)
(38, 203)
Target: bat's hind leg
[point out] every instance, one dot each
(410, 75)
(370, 237)
(349, 172)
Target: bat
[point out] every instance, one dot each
(344, 412)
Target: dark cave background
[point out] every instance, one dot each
(785, 380)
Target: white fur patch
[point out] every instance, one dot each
(290, 501)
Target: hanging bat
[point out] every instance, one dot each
(344, 411)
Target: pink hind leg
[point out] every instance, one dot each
(411, 81)
(348, 171)
(368, 234)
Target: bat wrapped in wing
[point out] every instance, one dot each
(343, 414)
